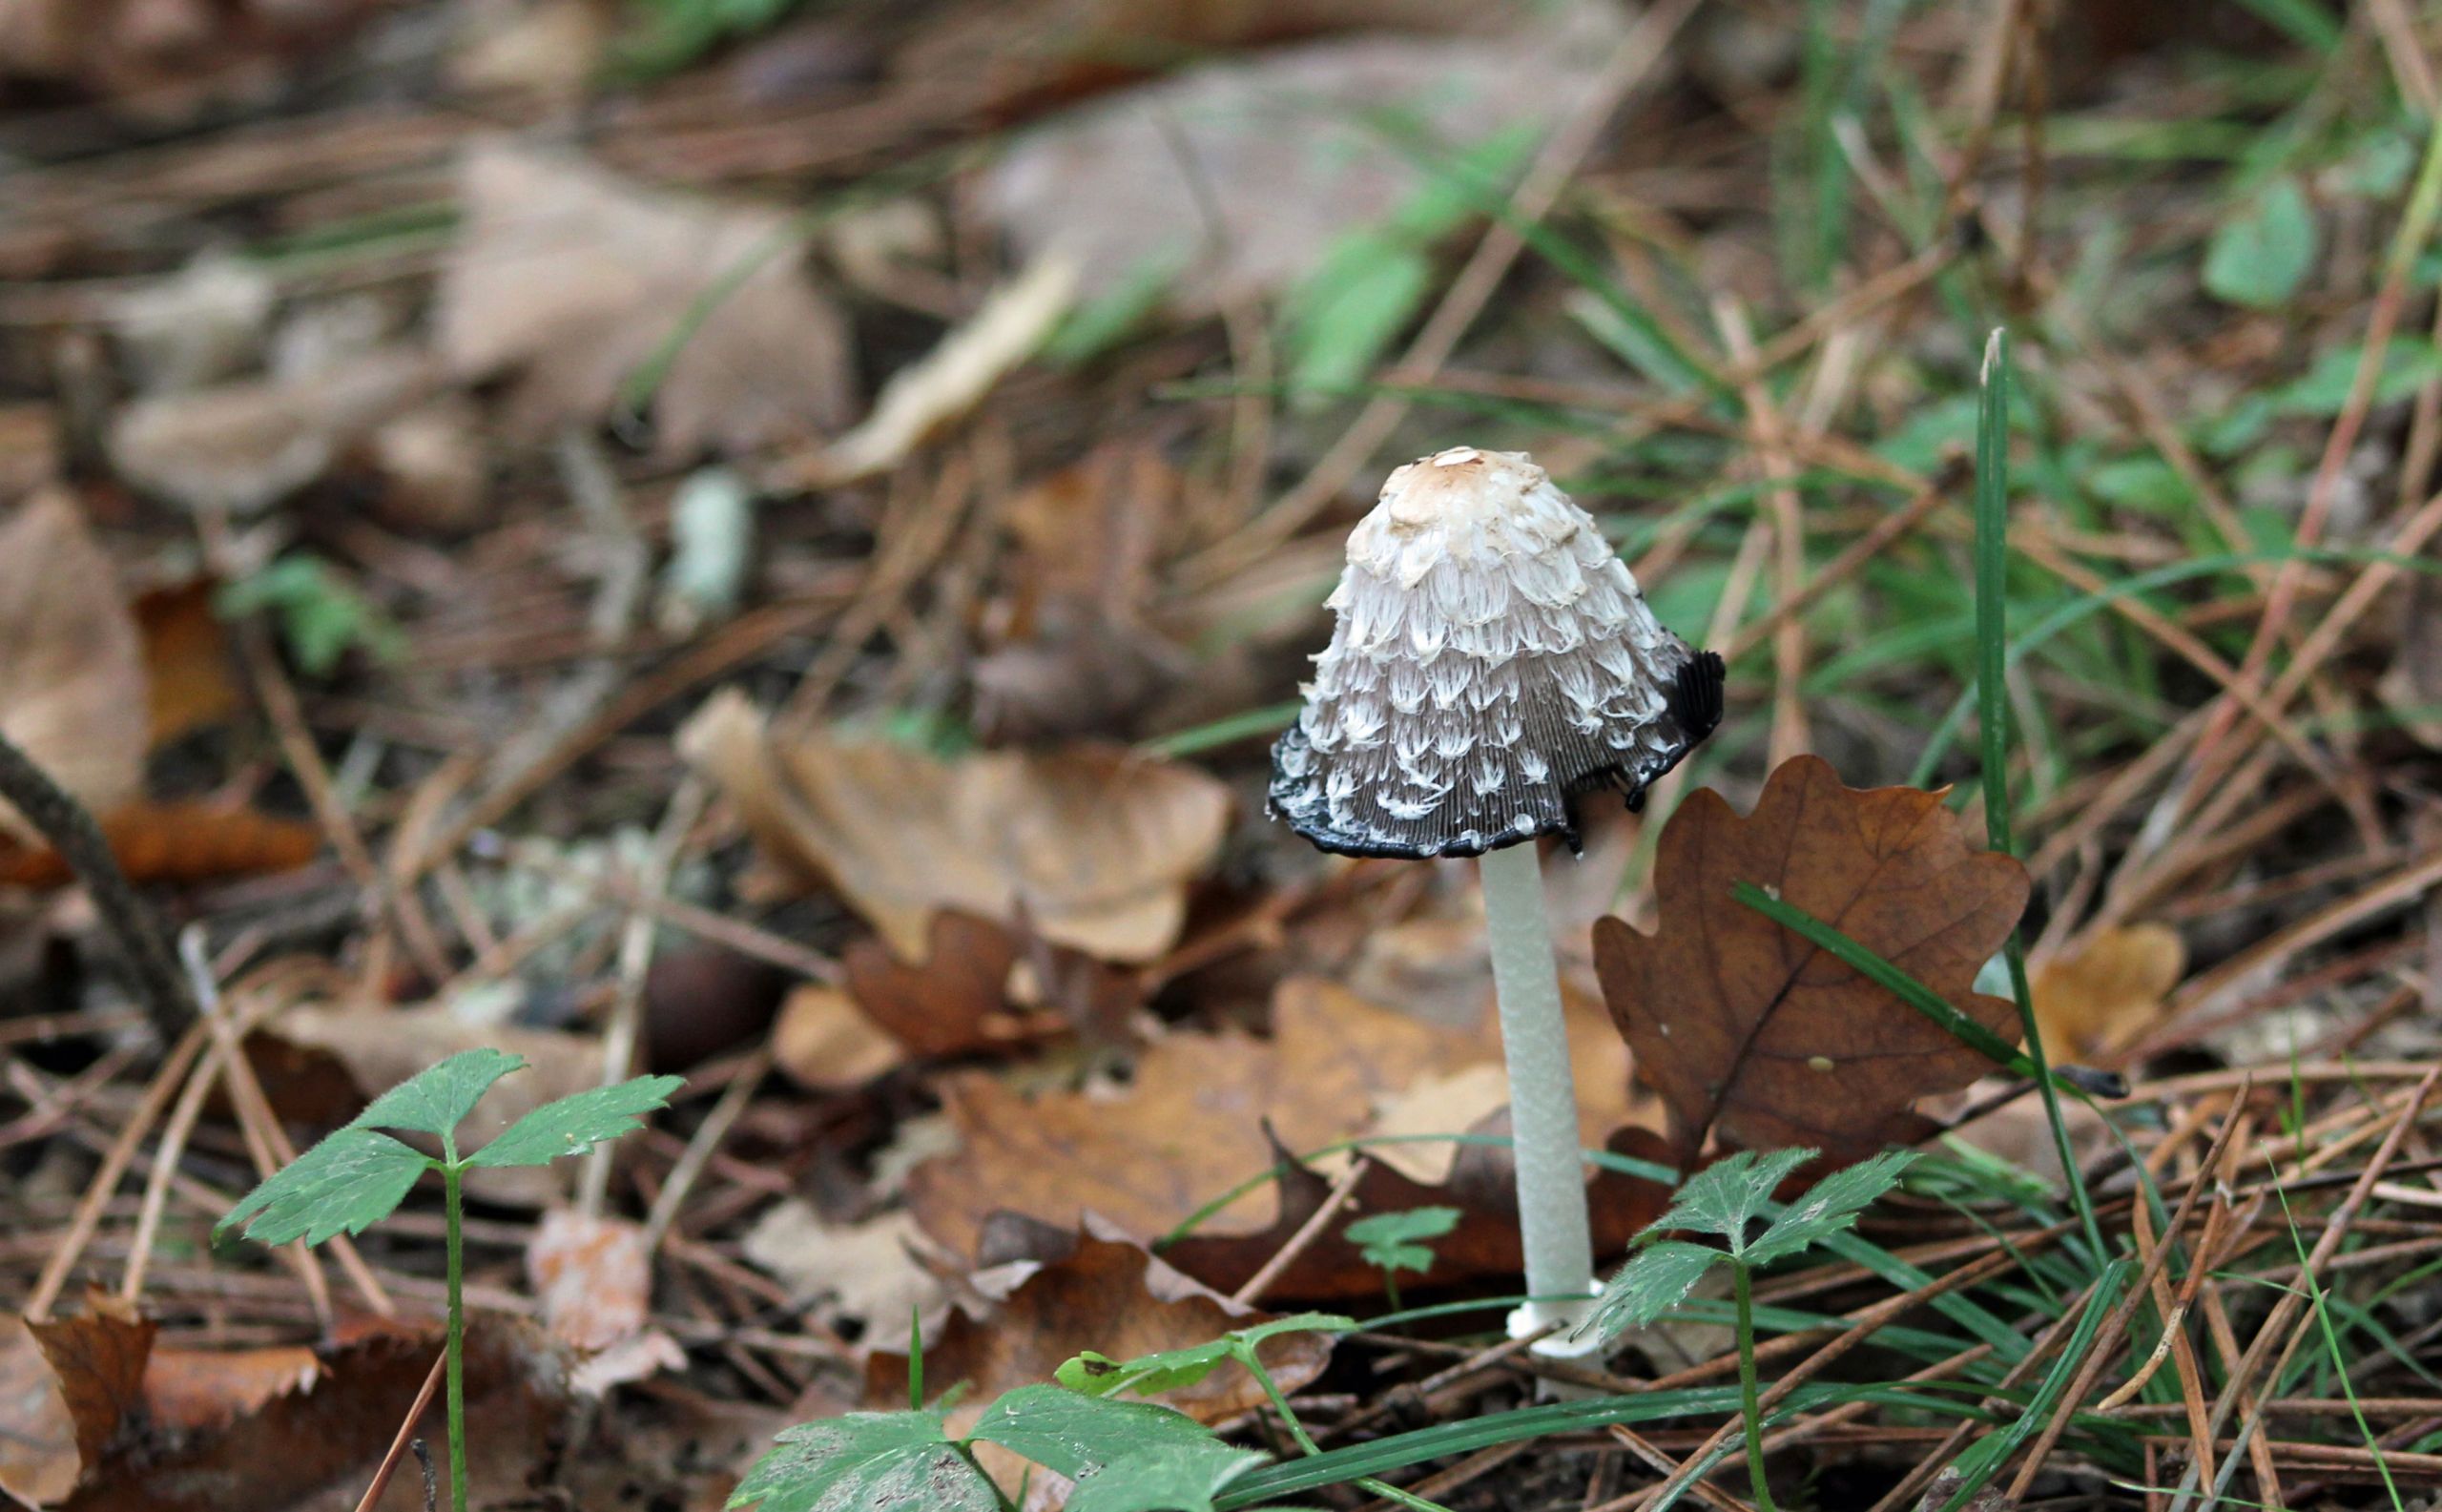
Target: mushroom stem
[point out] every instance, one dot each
(1542, 1098)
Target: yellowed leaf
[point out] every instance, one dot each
(825, 1042)
(1087, 846)
(2109, 990)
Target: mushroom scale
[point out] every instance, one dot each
(1493, 660)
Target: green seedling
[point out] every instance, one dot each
(359, 1174)
(1723, 1200)
(1125, 1455)
(1391, 1242)
(320, 616)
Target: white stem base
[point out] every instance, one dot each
(1542, 1098)
(1561, 1345)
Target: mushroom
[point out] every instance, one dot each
(1492, 663)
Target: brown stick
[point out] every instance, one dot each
(406, 1432)
(73, 832)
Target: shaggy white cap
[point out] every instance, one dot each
(1493, 660)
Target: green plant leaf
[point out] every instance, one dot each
(866, 1459)
(1656, 1278)
(1388, 1240)
(2260, 256)
(437, 1099)
(1152, 1375)
(1148, 1375)
(1832, 1206)
(344, 1185)
(1728, 1194)
(574, 1125)
(1166, 1478)
(1077, 1434)
(1295, 1323)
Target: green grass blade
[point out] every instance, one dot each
(1992, 688)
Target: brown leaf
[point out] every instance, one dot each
(946, 1004)
(594, 1277)
(577, 279)
(38, 1459)
(178, 843)
(1188, 1127)
(1071, 651)
(2103, 996)
(71, 686)
(867, 1271)
(1479, 1182)
(66, 1387)
(1087, 847)
(1223, 176)
(825, 1044)
(99, 1360)
(198, 1389)
(1753, 1035)
(314, 1445)
(1101, 1291)
(186, 660)
(243, 446)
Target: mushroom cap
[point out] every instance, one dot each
(1492, 661)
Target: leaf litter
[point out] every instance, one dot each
(987, 975)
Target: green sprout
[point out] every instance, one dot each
(1723, 1200)
(1391, 1242)
(359, 1175)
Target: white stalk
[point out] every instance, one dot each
(1543, 1099)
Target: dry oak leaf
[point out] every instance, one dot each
(73, 691)
(1089, 847)
(1754, 1036)
(1190, 1125)
(2100, 997)
(1096, 1289)
(314, 1445)
(578, 279)
(65, 1388)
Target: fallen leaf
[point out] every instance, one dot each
(2102, 997)
(186, 660)
(866, 1273)
(1071, 648)
(594, 1278)
(591, 1276)
(65, 1386)
(1237, 178)
(1187, 1127)
(825, 1042)
(1753, 1035)
(178, 843)
(241, 447)
(1096, 1290)
(1477, 1180)
(575, 279)
(199, 1390)
(72, 691)
(1087, 847)
(197, 325)
(313, 1443)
